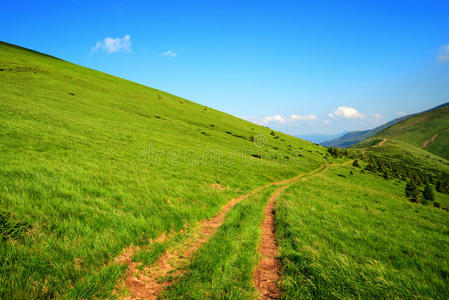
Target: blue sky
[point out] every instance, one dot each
(296, 66)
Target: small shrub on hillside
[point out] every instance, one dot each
(272, 133)
(411, 191)
(356, 163)
(428, 193)
(333, 151)
(442, 185)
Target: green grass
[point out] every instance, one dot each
(404, 154)
(358, 237)
(420, 128)
(94, 163)
(224, 266)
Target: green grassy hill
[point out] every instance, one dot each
(92, 165)
(419, 142)
(354, 137)
(428, 131)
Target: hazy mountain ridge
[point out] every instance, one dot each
(354, 137)
(319, 138)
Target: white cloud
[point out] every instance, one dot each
(111, 45)
(277, 118)
(347, 112)
(443, 55)
(169, 54)
(331, 116)
(377, 116)
(326, 122)
(400, 113)
(311, 117)
(293, 118)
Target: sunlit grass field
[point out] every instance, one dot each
(357, 236)
(91, 164)
(422, 127)
(404, 154)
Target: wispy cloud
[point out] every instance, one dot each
(276, 118)
(169, 54)
(347, 112)
(111, 45)
(331, 116)
(443, 54)
(293, 118)
(311, 117)
(400, 113)
(326, 122)
(377, 116)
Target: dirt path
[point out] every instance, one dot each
(152, 280)
(364, 154)
(381, 143)
(266, 274)
(427, 143)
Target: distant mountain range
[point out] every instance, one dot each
(354, 137)
(319, 138)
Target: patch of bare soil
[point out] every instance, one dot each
(381, 143)
(266, 275)
(217, 186)
(429, 141)
(364, 155)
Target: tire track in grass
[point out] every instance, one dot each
(266, 274)
(152, 280)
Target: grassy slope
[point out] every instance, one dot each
(76, 166)
(357, 236)
(223, 267)
(405, 154)
(420, 128)
(354, 137)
